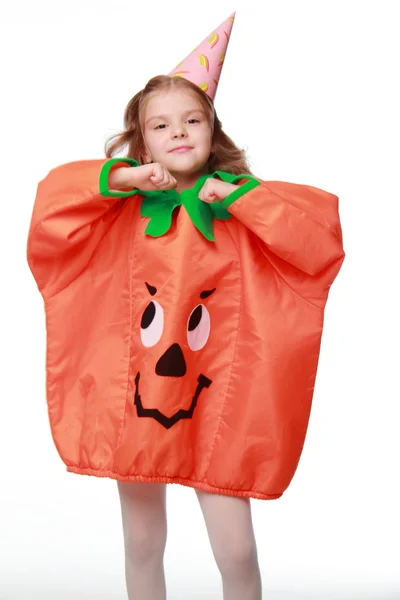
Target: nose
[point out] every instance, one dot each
(172, 363)
(179, 132)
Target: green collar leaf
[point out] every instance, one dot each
(159, 206)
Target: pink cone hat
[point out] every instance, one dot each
(203, 66)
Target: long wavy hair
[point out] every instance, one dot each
(225, 155)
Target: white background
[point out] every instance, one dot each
(310, 88)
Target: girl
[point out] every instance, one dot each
(179, 148)
(184, 304)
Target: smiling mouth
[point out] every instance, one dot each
(168, 422)
(182, 149)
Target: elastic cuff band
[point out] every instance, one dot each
(104, 175)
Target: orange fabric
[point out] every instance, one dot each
(121, 313)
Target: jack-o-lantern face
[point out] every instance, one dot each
(184, 327)
(172, 362)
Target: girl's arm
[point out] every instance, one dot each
(298, 224)
(71, 214)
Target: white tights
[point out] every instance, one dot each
(229, 527)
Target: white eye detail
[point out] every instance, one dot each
(198, 327)
(152, 324)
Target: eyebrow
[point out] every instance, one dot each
(188, 112)
(207, 293)
(152, 290)
(203, 295)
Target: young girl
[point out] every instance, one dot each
(184, 304)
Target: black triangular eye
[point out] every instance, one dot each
(148, 315)
(195, 318)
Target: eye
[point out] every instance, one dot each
(196, 120)
(198, 327)
(152, 324)
(161, 125)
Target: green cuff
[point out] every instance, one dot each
(104, 173)
(241, 190)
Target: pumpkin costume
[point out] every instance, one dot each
(182, 337)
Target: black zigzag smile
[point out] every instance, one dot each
(168, 422)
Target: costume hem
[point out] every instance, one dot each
(177, 480)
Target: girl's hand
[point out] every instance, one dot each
(152, 177)
(215, 190)
(146, 177)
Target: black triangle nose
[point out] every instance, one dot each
(172, 363)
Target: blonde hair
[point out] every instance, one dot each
(225, 155)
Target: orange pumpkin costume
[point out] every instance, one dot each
(182, 354)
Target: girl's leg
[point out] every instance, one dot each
(230, 530)
(144, 521)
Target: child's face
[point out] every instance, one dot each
(172, 119)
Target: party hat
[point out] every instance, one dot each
(203, 66)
